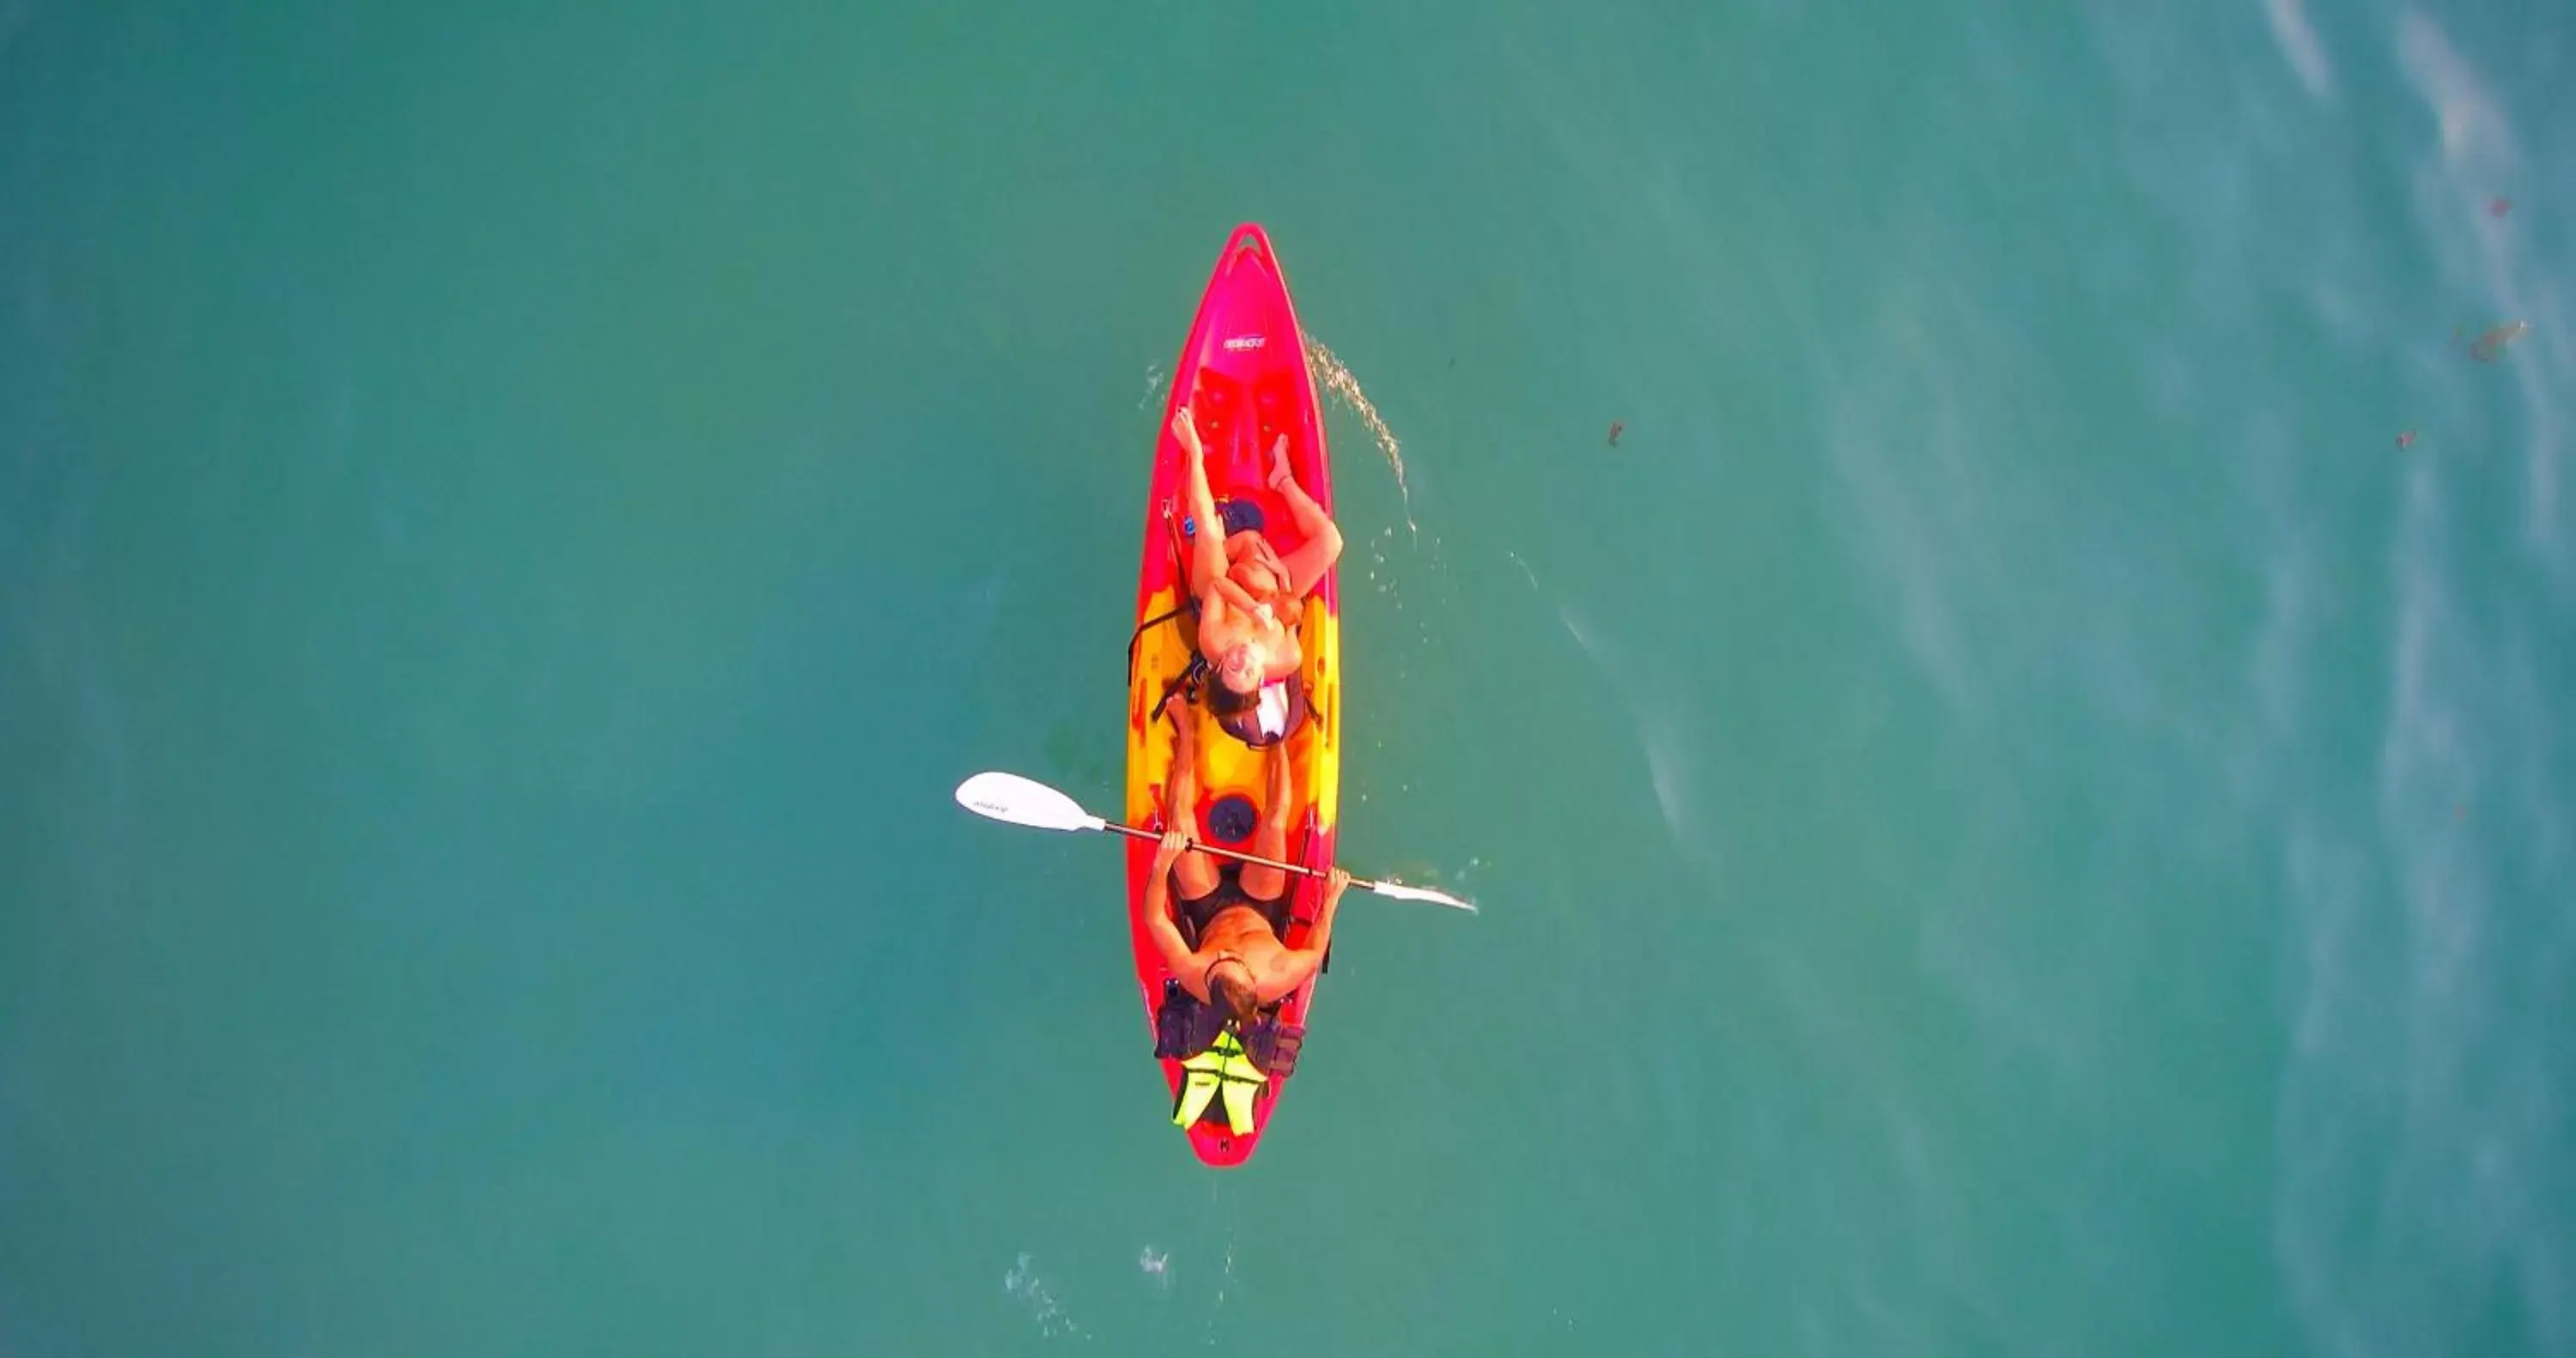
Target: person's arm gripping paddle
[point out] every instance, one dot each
(1296, 967)
(1156, 906)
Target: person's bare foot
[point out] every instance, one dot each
(1279, 469)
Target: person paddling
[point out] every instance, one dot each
(1232, 958)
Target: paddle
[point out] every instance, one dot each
(1022, 801)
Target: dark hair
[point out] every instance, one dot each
(1239, 714)
(1234, 992)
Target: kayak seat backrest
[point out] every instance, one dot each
(1183, 1027)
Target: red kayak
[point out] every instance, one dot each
(1243, 373)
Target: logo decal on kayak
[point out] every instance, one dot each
(1242, 342)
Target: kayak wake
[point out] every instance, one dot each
(1332, 376)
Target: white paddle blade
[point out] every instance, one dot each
(1010, 797)
(1418, 893)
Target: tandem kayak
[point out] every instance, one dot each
(1243, 375)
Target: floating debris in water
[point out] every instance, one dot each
(2406, 440)
(2500, 207)
(2488, 347)
(1615, 427)
(1155, 1266)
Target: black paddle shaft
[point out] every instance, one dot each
(1300, 869)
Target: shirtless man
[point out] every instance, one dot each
(1249, 596)
(1239, 964)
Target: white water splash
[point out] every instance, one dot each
(1332, 376)
(1025, 1286)
(1225, 1279)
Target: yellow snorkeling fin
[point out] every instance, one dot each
(1223, 1068)
(1197, 1088)
(1238, 1105)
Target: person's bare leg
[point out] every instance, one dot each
(1323, 541)
(1194, 874)
(1207, 540)
(1270, 838)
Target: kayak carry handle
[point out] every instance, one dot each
(1249, 238)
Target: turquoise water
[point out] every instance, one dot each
(2011, 816)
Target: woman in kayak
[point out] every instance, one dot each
(1250, 597)
(1236, 911)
